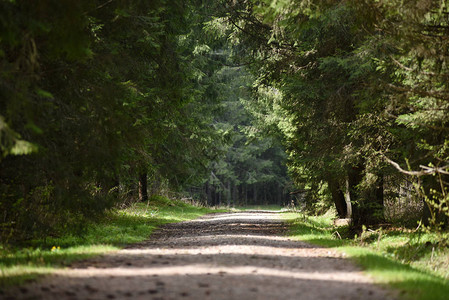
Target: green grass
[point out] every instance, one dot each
(112, 232)
(395, 258)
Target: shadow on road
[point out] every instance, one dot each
(222, 256)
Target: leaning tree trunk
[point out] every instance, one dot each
(339, 200)
(143, 187)
(353, 180)
(379, 199)
(209, 200)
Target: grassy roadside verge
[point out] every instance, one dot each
(112, 232)
(393, 258)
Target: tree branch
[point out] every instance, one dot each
(99, 7)
(425, 169)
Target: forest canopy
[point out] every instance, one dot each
(341, 103)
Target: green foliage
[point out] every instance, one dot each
(251, 167)
(315, 76)
(357, 81)
(93, 94)
(96, 94)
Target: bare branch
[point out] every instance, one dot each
(99, 6)
(412, 173)
(221, 183)
(425, 169)
(441, 170)
(414, 70)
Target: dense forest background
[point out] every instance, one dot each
(326, 103)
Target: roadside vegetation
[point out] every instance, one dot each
(111, 232)
(410, 261)
(306, 103)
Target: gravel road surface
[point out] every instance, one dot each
(243, 255)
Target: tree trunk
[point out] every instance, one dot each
(155, 186)
(358, 213)
(255, 194)
(143, 186)
(374, 202)
(379, 199)
(214, 196)
(209, 194)
(235, 196)
(426, 213)
(228, 194)
(339, 199)
(264, 191)
(347, 196)
(245, 191)
(367, 207)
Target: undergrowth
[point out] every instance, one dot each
(115, 230)
(410, 261)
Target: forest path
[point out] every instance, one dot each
(241, 255)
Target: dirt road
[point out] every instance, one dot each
(220, 256)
